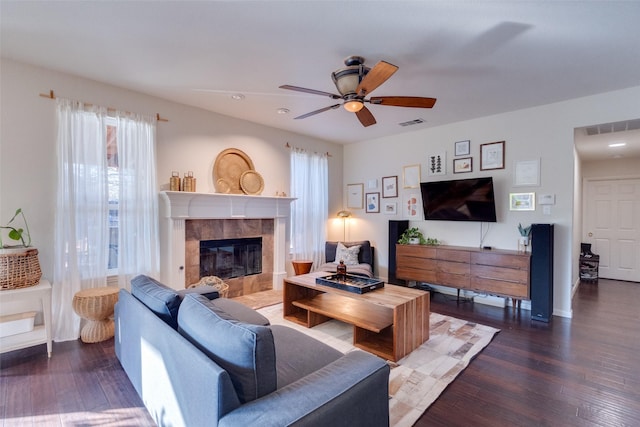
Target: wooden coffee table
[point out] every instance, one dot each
(389, 322)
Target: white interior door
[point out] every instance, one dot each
(612, 226)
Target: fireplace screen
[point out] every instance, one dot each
(229, 258)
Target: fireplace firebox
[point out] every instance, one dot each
(230, 258)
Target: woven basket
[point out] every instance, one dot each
(19, 268)
(214, 281)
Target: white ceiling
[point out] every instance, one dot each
(477, 58)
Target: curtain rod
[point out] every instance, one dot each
(289, 146)
(52, 95)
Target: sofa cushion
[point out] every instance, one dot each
(161, 299)
(245, 351)
(240, 312)
(298, 355)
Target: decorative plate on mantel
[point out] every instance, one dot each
(228, 169)
(251, 182)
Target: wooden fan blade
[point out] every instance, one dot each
(304, 116)
(404, 101)
(375, 77)
(312, 91)
(365, 117)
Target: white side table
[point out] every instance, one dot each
(36, 298)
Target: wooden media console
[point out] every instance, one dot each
(389, 322)
(495, 272)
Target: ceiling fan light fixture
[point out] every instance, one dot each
(353, 106)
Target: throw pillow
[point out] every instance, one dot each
(347, 254)
(159, 298)
(245, 351)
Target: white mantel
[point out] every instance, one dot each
(178, 206)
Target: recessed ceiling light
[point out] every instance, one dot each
(282, 111)
(617, 144)
(237, 97)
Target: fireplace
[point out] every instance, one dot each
(187, 218)
(231, 258)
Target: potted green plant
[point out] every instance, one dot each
(412, 236)
(16, 234)
(523, 241)
(19, 265)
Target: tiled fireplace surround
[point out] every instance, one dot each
(213, 229)
(187, 218)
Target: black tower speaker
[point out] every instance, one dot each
(541, 272)
(396, 228)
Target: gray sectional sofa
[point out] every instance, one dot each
(198, 360)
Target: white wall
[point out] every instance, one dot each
(189, 141)
(545, 133)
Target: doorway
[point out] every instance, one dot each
(609, 157)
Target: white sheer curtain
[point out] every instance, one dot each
(82, 209)
(138, 198)
(309, 184)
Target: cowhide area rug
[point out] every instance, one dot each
(417, 380)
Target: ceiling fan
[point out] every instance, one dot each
(355, 82)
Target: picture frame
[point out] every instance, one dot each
(462, 148)
(527, 173)
(390, 208)
(373, 203)
(411, 205)
(463, 165)
(355, 196)
(437, 164)
(411, 176)
(492, 156)
(522, 201)
(389, 186)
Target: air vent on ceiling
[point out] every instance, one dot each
(412, 122)
(613, 127)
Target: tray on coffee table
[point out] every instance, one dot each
(351, 283)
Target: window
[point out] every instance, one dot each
(310, 185)
(113, 185)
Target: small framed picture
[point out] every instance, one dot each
(522, 201)
(437, 164)
(411, 206)
(354, 195)
(411, 176)
(390, 208)
(527, 173)
(463, 165)
(463, 148)
(389, 186)
(492, 156)
(373, 203)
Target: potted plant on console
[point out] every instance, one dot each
(19, 265)
(413, 236)
(523, 241)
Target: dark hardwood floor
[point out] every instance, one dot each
(572, 372)
(583, 371)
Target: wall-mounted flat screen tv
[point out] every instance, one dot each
(459, 200)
